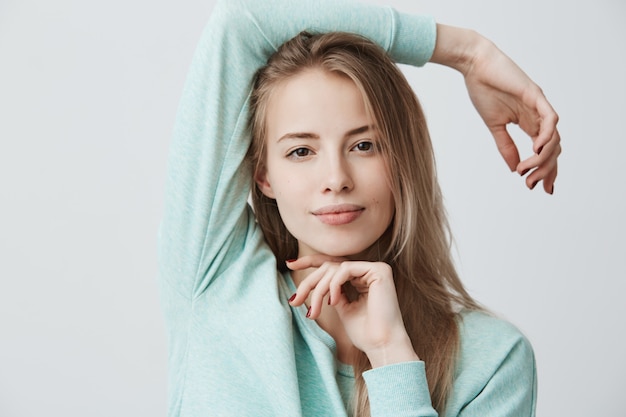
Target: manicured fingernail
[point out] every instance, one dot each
(293, 297)
(552, 190)
(308, 313)
(329, 300)
(524, 172)
(539, 150)
(290, 260)
(533, 185)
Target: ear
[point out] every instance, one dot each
(260, 177)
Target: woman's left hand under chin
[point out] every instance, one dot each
(372, 318)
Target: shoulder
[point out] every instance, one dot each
(496, 365)
(488, 341)
(482, 331)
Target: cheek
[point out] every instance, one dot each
(283, 188)
(380, 185)
(288, 195)
(385, 200)
(387, 205)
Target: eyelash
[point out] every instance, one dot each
(371, 147)
(294, 154)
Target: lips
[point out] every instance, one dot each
(338, 214)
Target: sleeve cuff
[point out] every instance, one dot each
(399, 389)
(414, 38)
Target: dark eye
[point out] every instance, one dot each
(364, 146)
(300, 153)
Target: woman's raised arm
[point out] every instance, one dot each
(206, 221)
(205, 215)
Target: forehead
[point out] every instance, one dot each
(318, 101)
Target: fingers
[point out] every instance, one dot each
(506, 146)
(547, 126)
(548, 181)
(546, 143)
(313, 281)
(326, 282)
(311, 261)
(543, 165)
(317, 280)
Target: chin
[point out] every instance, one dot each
(353, 246)
(373, 250)
(344, 250)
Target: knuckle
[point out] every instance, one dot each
(343, 267)
(385, 266)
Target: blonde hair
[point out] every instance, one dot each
(417, 244)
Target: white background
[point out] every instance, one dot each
(88, 95)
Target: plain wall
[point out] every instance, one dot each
(88, 96)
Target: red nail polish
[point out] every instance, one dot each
(290, 260)
(539, 150)
(552, 191)
(524, 172)
(293, 297)
(533, 185)
(329, 300)
(308, 313)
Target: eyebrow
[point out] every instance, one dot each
(306, 135)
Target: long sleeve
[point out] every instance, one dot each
(495, 376)
(399, 390)
(511, 390)
(234, 348)
(496, 373)
(205, 215)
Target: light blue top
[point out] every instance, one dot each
(236, 348)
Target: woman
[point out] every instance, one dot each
(236, 346)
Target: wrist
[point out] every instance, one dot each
(390, 353)
(459, 48)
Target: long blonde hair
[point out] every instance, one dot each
(417, 244)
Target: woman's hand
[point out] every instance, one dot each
(372, 318)
(502, 93)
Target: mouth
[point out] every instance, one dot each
(338, 214)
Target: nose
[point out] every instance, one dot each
(336, 175)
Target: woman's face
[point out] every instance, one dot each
(323, 166)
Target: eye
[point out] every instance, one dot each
(299, 153)
(364, 146)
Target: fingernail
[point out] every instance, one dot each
(533, 185)
(293, 297)
(552, 190)
(290, 260)
(329, 300)
(524, 172)
(539, 150)
(308, 313)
